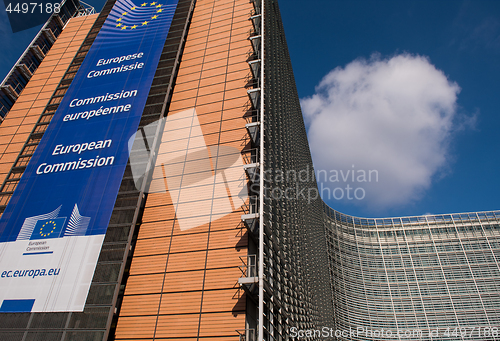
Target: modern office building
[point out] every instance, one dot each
(430, 277)
(150, 160)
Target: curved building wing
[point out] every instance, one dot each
(429, 277)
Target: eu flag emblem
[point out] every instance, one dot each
(48, 228)
(142, 16)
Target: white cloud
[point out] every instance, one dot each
(395, 116)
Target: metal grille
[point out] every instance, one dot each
(84, 336)
(90, 318)
(48, 321)
(297, 283)
(43, 336)
(14, 336)
(18, 321)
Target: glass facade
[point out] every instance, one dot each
(421, 278)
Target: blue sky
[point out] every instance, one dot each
(459, 38)
(408, 89)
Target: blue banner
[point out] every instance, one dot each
(70, 185)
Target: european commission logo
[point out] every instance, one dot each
(50, 225)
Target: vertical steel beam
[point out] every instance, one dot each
(261, 185)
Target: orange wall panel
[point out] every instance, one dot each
(191, 242)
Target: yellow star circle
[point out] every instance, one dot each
(132, 26)
(50, 224)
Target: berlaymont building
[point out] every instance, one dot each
(140, 154)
